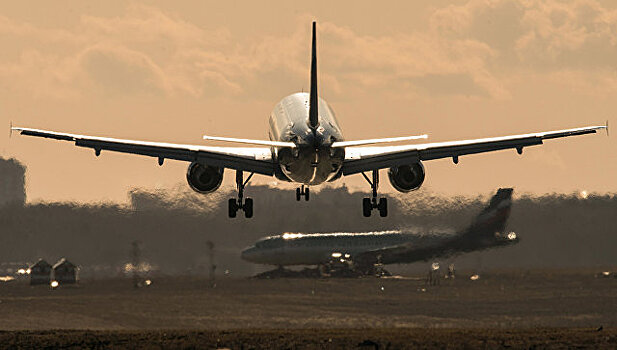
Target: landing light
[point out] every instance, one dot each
(336, 255)
(512, 236)
(54, 284)
(474, 277)
(291, 235)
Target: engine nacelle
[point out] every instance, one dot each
(406, 178)
(204, 178)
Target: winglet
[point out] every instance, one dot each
(607, 127)
(313, 102)
(10, 129)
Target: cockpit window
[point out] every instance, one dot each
(268, 243)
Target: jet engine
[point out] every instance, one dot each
(204, 178)
(406, 178)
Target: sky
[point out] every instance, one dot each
(174, 71)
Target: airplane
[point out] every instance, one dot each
(367, 250)
(306, 146)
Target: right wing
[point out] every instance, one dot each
(360, 159)
(251, 159)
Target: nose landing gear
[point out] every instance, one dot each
(302, 191)
(368, 204)
(236, 204)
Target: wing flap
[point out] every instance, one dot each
(385, 254)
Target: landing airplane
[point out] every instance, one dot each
(366, 250)
(307, 147)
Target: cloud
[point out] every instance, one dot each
(416, 60)
(119, 70)
(580, 34)
(146, 50)
(470, 50)
(568, 42)
(542, 35)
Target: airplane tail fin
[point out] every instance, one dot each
(494, 217)
(313, 102)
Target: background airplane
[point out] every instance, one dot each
(307, 147)
(365, 251)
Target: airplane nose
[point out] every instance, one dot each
(248, 254)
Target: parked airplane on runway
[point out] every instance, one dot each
(307, 147)
(367, 250)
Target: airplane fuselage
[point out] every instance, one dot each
(388, 247)
(316, 249)
(313, 161)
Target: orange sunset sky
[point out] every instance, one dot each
(175, 70)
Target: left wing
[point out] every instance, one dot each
(360, 159)
(252, 159)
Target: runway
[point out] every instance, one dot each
(497, 300)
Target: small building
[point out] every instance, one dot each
(40, 272)
(65, 272)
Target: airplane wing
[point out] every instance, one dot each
(360, 159)
(252, 159)
(402, 253)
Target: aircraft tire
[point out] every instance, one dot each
(248, 208)
(233, 207)
(383, 207)
(306, 194)
(366, 207)
(298, 194)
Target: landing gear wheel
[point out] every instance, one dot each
(367, 207)
(302, 191)
(248, 208)
(383, 207)
(245, 204)
(233, 207)
(368, 204)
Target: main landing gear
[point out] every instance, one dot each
(368, 204)
(302, 191)
(247, 204)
